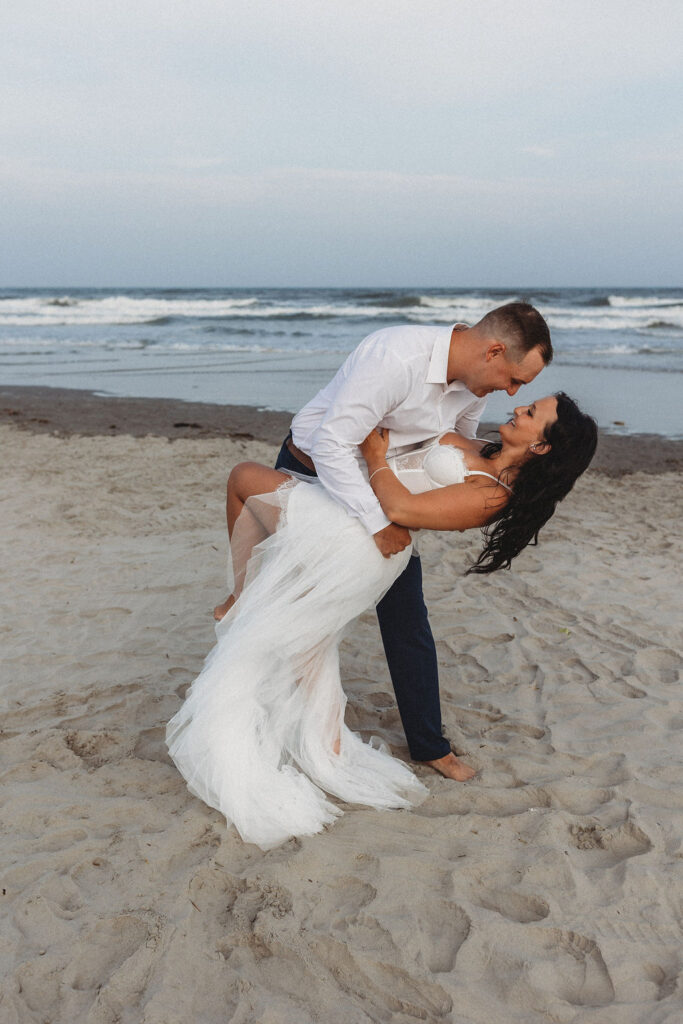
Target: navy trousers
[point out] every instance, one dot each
(409, 648)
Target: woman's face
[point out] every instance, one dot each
(529, 423)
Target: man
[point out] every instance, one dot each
(417, 382)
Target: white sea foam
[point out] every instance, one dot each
(643, 331)
(592, 323)
(623, 312)
(642, 300)
(115, 310)
(474, 302)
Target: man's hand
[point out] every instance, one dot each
(392, 539)
(374, 447)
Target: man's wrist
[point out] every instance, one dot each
(375, 522)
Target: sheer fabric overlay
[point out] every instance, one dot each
(257, 735)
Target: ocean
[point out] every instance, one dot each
(618, 351)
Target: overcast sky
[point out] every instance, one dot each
(339, 142)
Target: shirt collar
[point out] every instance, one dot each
(438, 364)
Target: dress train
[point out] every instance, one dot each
(256, 735)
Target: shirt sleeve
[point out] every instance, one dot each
(375, 382)
(467, 422)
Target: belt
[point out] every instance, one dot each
(302, 457)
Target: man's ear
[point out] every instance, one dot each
(495, 349)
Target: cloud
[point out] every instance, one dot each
(544, 152)
(349, 120)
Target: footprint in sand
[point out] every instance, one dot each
(610, 846)
(95, 747)
(658, 665)
(605, 769)
(44, 923)
(578, 800)
(490, 711)
(441, 928)
(502, 731)
(577, 971)
(61, 839)
(344, 898)
(470, 671)
(526, 965)
(664, 978)
(151, 745)
(502, 803)
(386, 990)
(516, 906)
(104, 950)
(626, 689)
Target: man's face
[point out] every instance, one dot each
(496, 372)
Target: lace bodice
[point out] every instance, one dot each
(436, 465)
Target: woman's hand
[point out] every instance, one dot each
(374, 447)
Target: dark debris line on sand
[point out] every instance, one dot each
(66, 411)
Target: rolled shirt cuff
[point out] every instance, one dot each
(374, 521)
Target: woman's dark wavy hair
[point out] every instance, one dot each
(540, 483)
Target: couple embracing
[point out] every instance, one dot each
(387, 448)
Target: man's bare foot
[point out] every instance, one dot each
(221, 610)
(451, 767)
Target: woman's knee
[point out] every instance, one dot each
(248, 478)
(238, 480)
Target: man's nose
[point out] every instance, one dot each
(512, 390)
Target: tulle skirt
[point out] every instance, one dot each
(257, 733)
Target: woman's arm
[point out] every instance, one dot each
(458, 507)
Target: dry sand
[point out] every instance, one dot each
(548, 889)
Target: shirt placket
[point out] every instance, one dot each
(443, 411)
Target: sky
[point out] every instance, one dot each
(341, 143)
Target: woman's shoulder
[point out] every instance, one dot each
(465, 444)
(471, 445)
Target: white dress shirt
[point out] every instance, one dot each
(396, 379)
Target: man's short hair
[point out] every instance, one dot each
(521, 328)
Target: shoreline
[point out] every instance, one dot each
(69, 411)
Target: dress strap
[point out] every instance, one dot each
(480, 472)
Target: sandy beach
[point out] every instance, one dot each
(546, 890)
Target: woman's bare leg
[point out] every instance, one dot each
(256, 523)
(246, 480)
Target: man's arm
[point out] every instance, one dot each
(468, 422)
(375, 382)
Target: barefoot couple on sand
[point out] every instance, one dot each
(386, 448)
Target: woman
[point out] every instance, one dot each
(261, 734)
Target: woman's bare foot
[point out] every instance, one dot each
(452, 767)
(221, 610)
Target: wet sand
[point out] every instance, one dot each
(68, 411)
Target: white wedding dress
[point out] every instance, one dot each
(256, 735)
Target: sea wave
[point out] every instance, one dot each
(612, 313)
(392, 301)
(114, 310)
(643, 300)
(660, 325)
